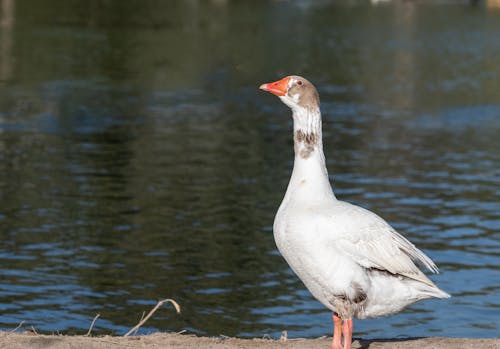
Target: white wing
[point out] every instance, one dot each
(373, 243)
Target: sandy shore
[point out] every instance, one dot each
(182, 341)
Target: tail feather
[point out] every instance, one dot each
(438, 293)
(435, 292)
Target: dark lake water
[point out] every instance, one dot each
(139, 160)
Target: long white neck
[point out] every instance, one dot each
(309, 181)
(307, 134)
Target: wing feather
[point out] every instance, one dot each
(373, 243)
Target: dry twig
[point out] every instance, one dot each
(142, 318)
(92, 324)
(20, 324)
(143, 321)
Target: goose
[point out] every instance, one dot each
(349, 258)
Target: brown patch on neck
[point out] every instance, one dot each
(308, 139)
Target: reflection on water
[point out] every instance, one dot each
(139, 161)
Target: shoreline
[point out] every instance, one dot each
(30, 340)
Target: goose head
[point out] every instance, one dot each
(295, 91)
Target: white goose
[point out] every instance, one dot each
(349, 258)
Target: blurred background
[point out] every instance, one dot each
(139, 160)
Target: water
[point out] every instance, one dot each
(139, 161)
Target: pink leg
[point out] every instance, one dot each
(337, 332)
(347, 330)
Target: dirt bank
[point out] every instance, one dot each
(182, 341)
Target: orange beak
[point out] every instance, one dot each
(278, 88)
